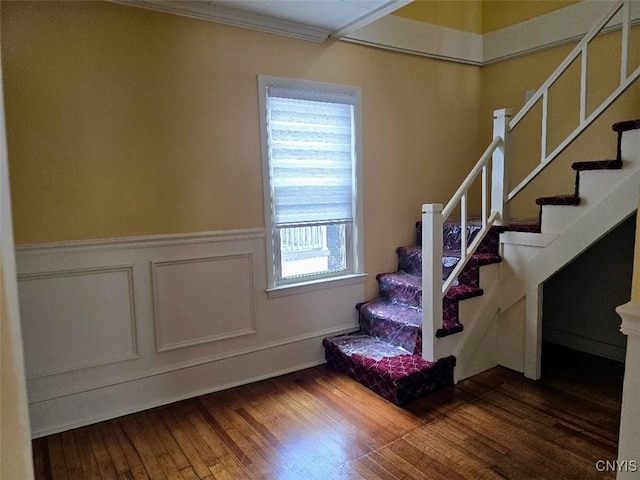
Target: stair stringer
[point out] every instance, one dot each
(476, 347)
(525, 268)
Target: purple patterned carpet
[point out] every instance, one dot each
(386, 354)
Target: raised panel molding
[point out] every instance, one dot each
(202, 300)
(78, 318)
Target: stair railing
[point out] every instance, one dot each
(581, 50)
(434, 216)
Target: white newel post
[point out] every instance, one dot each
(629, 441)
(431, 279)
(501, 166)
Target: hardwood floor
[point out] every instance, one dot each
(319, 424)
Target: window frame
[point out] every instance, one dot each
(312, 90)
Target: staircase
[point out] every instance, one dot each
(385, 355)
(467, 296)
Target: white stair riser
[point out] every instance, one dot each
(557, 218)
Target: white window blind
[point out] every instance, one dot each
(311, 148)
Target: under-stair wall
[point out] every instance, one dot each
(579, 301)
(530, 258)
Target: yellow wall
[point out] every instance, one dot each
(478, 16)
(125, 122)
(497, 14)
(463, 15)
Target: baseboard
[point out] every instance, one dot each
(584, 344)
(86, 408)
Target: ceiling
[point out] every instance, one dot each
(314, 20)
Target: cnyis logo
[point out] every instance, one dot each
(617, 466)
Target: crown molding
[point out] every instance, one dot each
(213, 12)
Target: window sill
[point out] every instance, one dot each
(312, 286)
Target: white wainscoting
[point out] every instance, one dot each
(116, 326)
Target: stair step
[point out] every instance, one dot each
(452, 234)
(450, 308)
(410, 259)
(389, 371)
(470, 274)
(597, 165)
(393, 323)
(530, 225)
(626, 125)
(562, 200)
(401, 287)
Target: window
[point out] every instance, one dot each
(310, 148)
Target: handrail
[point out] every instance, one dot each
(481, 163)
(585, 120)
(460, 197)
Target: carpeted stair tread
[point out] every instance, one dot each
(449, 328)
(410, 260)
(462, 292)
(597, 165)
(470, 273)
(396, 324)
(530, 225)
(398, 377)
(626, 125)
(561, 200)
(401, 287)
(452, 234)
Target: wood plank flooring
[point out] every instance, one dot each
(319, 424)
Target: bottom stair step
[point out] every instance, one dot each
(390, 371)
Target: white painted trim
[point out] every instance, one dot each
(630, 314)
(161, 346)
(143, 241)
(83, 421)
(418, 38)
(212, 12)
(177, 398)
(321, 284)
(154, 372)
